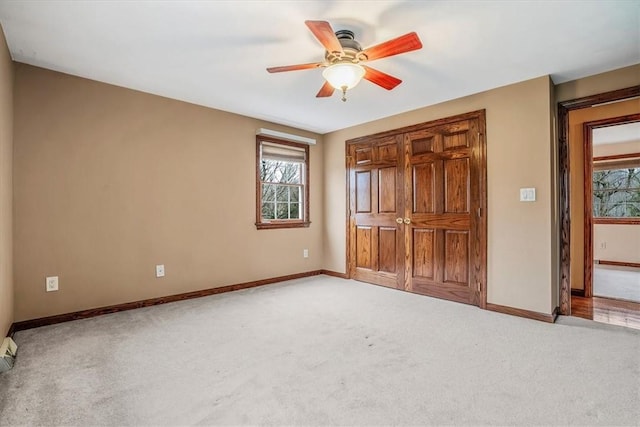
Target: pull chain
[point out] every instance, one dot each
(344, 94)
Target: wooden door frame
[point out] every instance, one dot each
(482, 155)
(588, 128)
(564, 108)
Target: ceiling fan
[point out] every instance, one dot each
(344, 57)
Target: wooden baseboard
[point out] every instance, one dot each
(59, 318)
(93, 312)
(11, 331)
(577, 292)
(549, 318)
(619, 263)
(335, 274)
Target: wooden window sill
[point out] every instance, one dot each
(282, 224)
(626, 221)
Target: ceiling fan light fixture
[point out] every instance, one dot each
(343, 55)
(343, 76)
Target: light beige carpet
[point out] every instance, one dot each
(616, 282)
(322, 351)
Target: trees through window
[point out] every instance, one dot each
(616, 192)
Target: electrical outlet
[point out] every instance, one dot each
(603, 245)
(305, 253)
(160, 270)
(51, 283)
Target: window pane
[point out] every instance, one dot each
(282, 193)
(291, 173)
(278, 171)
(268, 192)
(267, 171)
(282, 211)
(294, 210)
(295, 193)
(616, 193)
(268, 210)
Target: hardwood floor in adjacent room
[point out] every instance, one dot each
(605, 310)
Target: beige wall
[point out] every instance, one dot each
(614, 149)
(622, 242)
(6, 187)
(577, 118)
(599, 83)
(110, 182)
(520, 235)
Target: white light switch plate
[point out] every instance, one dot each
(160, 270)
(527, 194)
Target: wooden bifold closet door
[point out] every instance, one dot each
(417, 209)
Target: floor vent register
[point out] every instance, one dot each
(8, 351)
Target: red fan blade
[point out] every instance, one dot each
(325, 90)
(325, 35)
(401, 44)
(381, 79)
(295, 67)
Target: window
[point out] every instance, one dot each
(616, 190)
(282, 184)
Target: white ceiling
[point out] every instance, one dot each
(214, 53)
(616, 134)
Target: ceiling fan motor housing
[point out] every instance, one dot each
(351, 49)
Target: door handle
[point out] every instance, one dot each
(407, 221)
(399, 220)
